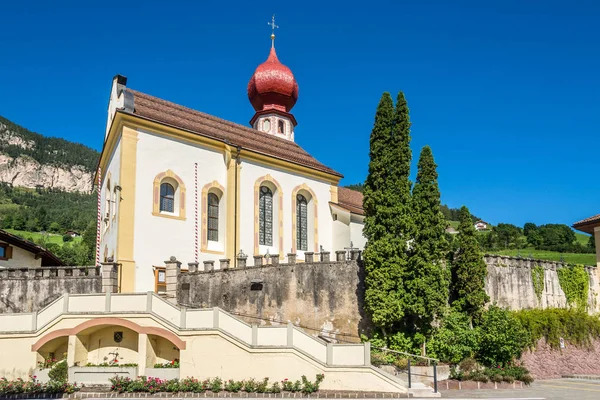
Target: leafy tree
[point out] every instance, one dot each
(592, 243)
(507, 235)
(556, 234)
(502, 337)
(452, 214)
(468, 271)
(20, 219)
(455, 340)
(54, 227)
(426, 278)
(387, 219)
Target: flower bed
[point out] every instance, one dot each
(19, 386)
(215, 385)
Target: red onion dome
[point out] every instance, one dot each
(273, 86)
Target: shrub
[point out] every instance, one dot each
(192, 385)
(215, 385)
(455, 340)
(502, 338)
(263, 386)
(171, 364)
(576, 326)
(468, 365)
(250, 386)
(233, 386)
(59, 372)
(19, 386)
(275, 388)
(309, 387)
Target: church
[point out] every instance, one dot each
(178, 182)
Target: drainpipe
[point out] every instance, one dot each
(235, 206)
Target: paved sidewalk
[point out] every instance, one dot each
(553, 389)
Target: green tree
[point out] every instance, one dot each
(592, 242)
(502, 337)
(387, 219)
(468, 271)
(455, 340)
(426, 278)
(507, 235)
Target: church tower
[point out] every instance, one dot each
(273, 92)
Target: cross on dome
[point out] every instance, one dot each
(273, 27)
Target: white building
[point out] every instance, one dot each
(178, 182)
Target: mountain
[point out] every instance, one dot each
(31, 160)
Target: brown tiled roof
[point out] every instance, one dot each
(587, 225)
(48, 258)
(165, 112)
(351, 200)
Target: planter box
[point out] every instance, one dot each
(99, 375)
(163, 373)
(41, 374)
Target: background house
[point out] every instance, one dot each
(16, 252)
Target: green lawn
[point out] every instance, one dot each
(52, 237)
(571, 258)
(454, 224)
(582, 238)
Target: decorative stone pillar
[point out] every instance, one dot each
(340, 255)
(110, 277)
(274, 259)
(258, 261)
(209, 266)
(241, 261)
(224, 263)
(325, 256)
(309, 256)
(173, 269)
(291, 258)
(192, 267)
(354, 254)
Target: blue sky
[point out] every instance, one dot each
(507, 93)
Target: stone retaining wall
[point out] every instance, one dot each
(509, 283)
(31, 289)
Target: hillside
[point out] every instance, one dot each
(31, 160)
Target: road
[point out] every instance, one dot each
(554, 389)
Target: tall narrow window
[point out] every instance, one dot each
(280, 127)
(265, 213)
(213, 217)
(301, 223)
(167, 197)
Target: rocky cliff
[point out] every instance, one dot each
(31, 160)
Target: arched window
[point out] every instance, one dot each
(280, 127)
(265, 214)
(167, 197)
(301, 223)
(266, 125)
(213, 217)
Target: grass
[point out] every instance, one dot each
(582, 238)
(454, 224)
(571, 258)
(36, 236)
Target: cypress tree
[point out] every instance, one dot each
(387, 218)
(400, 170)
(426, 278)
(468, 270)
